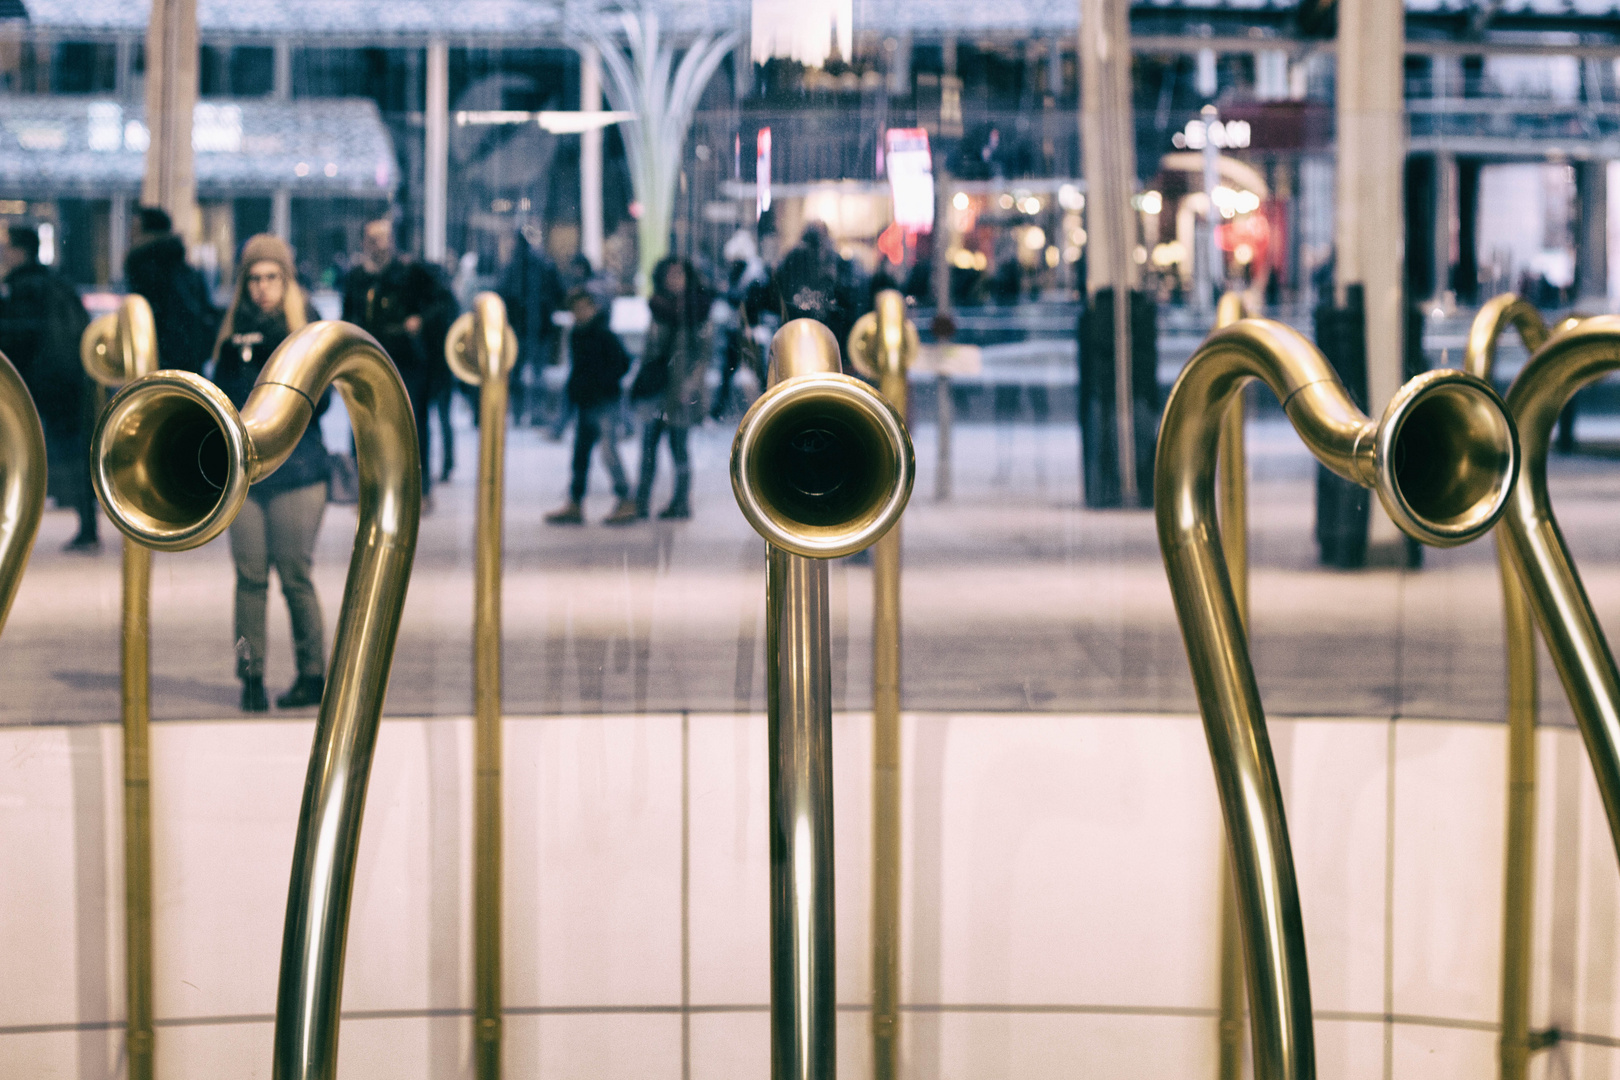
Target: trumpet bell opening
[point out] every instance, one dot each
(1448, 454)
(822, 466)
(169, 461)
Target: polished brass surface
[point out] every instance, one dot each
(172, 460)
(1234, 524)
(22, 481)
(1574, 356)
(116, 349)
(1442, 458)
(882, 346)
(1518, 877)
(121, 345)
(481, 350)
(821, 466)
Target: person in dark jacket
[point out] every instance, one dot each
(532, 289)
(813, 282)
(41, 321)
(599, 363)
(669, 387)
(278, 522)
(182, 312)
(398, 303)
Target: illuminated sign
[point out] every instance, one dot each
(1224, 135)
(911, 178)
(762, 173)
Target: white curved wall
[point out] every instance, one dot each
(1060, 905)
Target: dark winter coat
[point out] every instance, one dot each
(41, 321)
(599, 363)
(675, 367)
(236, 369)
(182, 312)
(380, 303)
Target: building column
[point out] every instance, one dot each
(117, 237)
(591, 242)
(281, 86)
(1371, 162)
(1467, 280)
(171, 93)
(1592, 233)
(281, 213)
(1108, 159)
(1446, 221)
(436, 158)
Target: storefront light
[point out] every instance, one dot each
(1030, 205)
(1034, 238)
(1005, 202)
(1151, 202)
(960, 200)
(1070, 198)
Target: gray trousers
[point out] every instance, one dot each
(280, 532)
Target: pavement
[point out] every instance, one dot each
(1015, 599)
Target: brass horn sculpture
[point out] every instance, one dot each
(116, 349)
(1442, 458)
(22, 481)
(882, 345)
(821, 467)
(481, 350)
(1234, 523)
(1518, 878)
(172, 461)
(1578, 353)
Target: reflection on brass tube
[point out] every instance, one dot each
(22, 481)
(172, 461)
(1518, 877)
(117, 349)
(1442, 458)
(1575, 356)
(1234, 524)
(882, 345)
(821, 467)
(481, 350)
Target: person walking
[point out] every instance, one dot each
(599, 363)
(278, 522)
(182, 313)
(668, 390)
(532, 290)
(400, 304)
(41, 321)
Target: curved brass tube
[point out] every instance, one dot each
(22, 481)
(882, 345)
(116, 349)
(1234, 523)
(821, 466)
(1574, 357)
(1442, 459)
(172, 461)
(481, 350)
(1518, 877)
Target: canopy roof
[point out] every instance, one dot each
(57, 145)
(537, 22)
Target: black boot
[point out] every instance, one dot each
(305, 691)
(254, 699)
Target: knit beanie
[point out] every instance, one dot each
(267, 248)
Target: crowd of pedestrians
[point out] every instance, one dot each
(698, 324)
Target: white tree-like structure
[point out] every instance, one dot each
(643, 77)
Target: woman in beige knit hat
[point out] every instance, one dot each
(278, 523)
